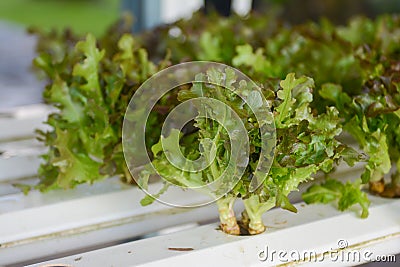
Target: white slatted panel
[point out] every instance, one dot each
(20, 122)
(18, 148)
(78, 220)
(316, 228)
(19, 159)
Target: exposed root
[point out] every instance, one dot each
(232, 229)
(392, 190)
(256, 228)
(377, 187)
(388, 190)
(227, 216)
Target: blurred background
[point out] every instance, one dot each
(19, 86)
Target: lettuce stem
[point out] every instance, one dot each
(254, 209)
(227, 216)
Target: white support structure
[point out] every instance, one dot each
(315, 234)
(38, 227)
(19, 149)
(43, 225)
(20, 123)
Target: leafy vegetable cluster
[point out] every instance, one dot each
(356, 72)
(358, 69)
(91, 89)
(305, 144)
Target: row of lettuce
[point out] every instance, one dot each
(318, 79)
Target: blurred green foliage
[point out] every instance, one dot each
(337, 11)
(93, 16)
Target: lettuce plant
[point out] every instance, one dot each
(91, 90)
(305, 144)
